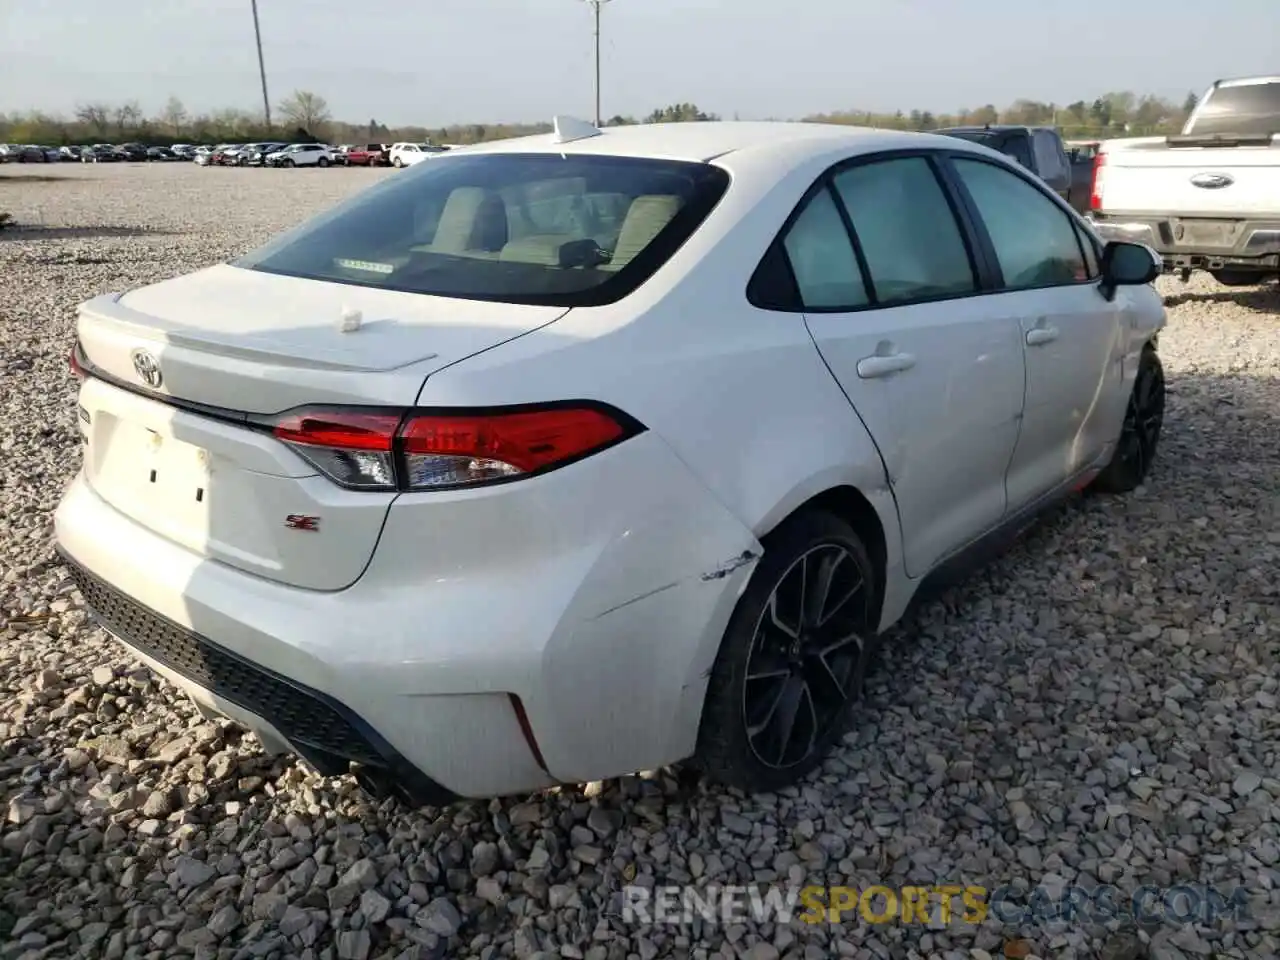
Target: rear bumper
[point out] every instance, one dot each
(1253, 244)
(500, 641)
(314, 725)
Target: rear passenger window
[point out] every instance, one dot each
(1034, 239)
(822, 257)
(909, 236)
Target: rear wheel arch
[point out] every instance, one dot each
(852, 506)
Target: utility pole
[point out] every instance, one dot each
(596, 5)
(262, 68)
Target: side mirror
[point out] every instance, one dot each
(1128, 265)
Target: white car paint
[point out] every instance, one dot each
(302, 155)
(598, 594)
(407, 154)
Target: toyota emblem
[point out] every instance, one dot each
(1212, 181)
(147, 367)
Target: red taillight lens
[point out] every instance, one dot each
(389, 450)
(352, 448)
(1095, 188)
(448, 449)
(73, 359)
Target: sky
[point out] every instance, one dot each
(437, 62)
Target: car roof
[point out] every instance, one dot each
(709, 140)
(988, 128)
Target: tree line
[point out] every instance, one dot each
(1114, 114)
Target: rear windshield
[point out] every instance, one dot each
(517, 228)
(1249, 109)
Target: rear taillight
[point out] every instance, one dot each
(353, 448)
(1099, 174)
(73, 360)
(433, 450)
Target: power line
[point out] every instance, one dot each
(262, 69)
(596, 5)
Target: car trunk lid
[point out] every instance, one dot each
(1231, 178)
(189, 454)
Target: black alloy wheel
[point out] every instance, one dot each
(794, 656)
(805, 656)
(1140, 435)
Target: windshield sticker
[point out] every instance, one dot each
(366, 266)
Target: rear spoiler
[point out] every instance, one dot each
(1222, 139)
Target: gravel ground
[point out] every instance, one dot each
(1097, 707)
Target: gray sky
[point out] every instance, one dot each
(444, 61)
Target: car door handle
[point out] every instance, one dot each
(884, 365)
(1037, 336)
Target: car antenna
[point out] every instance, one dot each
(568, 129)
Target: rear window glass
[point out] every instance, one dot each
(1250, 109)
(518, 228)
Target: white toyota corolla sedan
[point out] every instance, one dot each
(576, 455)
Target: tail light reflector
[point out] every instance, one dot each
(431, 450)
(1099, 175)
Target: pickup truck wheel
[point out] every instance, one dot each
(1238, 278)
(793, 658)
(1140, 435)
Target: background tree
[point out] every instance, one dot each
(96, 116)
(305, 109)
(679, 113)
(94, 121)
(173, 116)
(127, 116)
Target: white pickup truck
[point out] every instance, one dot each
(1208, 199)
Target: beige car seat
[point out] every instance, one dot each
(646, 218)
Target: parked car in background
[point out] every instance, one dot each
(1039, 149)
(229, 155)
(407, 154)
(69, 153)
(132, 152)
(1208, 198)
(203, 156)
(257, 155)
(31, 153)
(339, 156)
(368, 155)
(302, 155)
(9, 152)
(99, 153)
(162, 154)
(513, 487)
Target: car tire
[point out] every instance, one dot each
(322, 162)
(1140, 435)
(286, 162)
(772, 660)
(397, 163)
